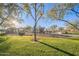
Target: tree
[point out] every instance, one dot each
(28, 28)
(61, 29)
(75, 23)
(8, 11)
(3, 13)
(36, 12)
(53, 28)
(41, 29)
(60, 10)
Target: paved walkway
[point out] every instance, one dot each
(60, 35)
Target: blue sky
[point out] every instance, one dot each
(48, 22)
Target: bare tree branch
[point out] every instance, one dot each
(31, 13)
(69, 23)
(3, 19)
(74, 11)
(25, 10)
(38, 18)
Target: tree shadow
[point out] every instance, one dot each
(4, 46)
(2, 39)
(70, 54)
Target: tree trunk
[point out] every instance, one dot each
(35, 35)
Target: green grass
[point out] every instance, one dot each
(46, 46)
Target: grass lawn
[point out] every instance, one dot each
(46, 46)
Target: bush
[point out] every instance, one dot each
(2, 34)
(66, 33)
(21, 33)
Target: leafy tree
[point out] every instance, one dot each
(36, 12)
(8, 11)
(59, 11)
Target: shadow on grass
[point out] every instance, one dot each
(57, 49)
(2, 39)
(4, 46)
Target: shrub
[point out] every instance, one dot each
(21, 33)
(2, 34)
(66, 33)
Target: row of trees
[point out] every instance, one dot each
(36, 11)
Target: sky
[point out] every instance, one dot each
(27, 20)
